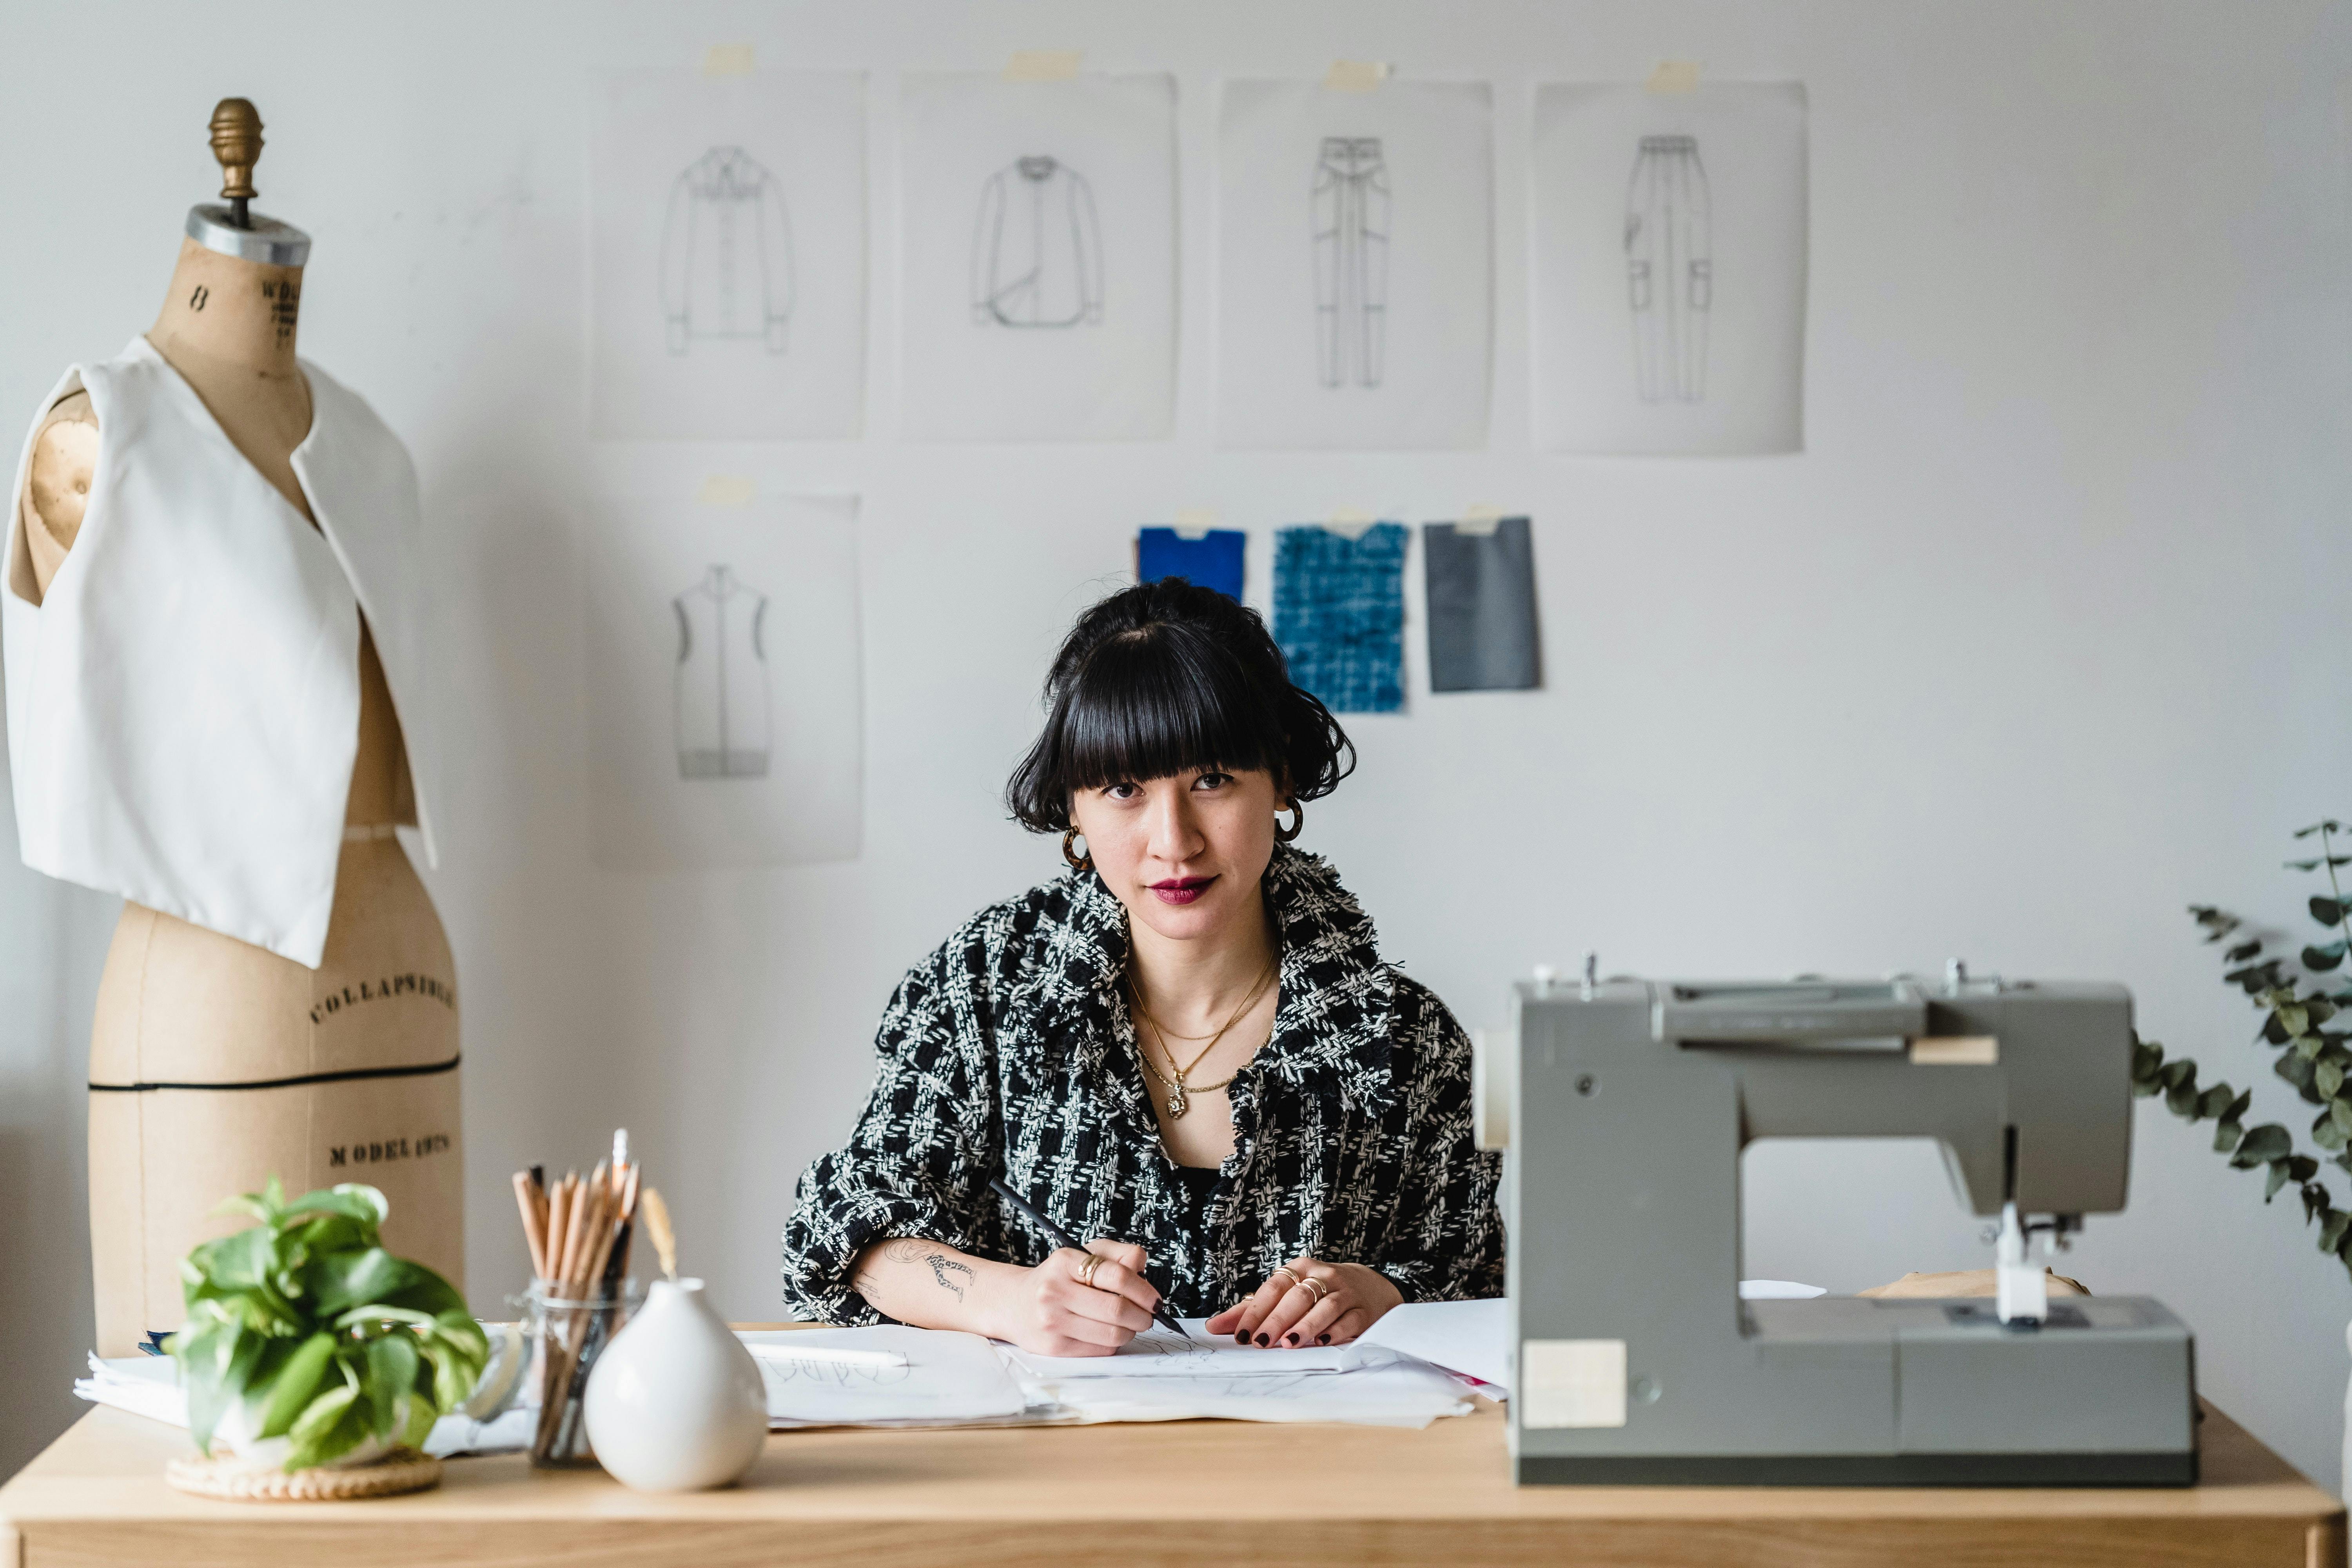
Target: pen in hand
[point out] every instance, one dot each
(1064, 1239)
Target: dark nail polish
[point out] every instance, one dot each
(1264, 1341)
(1290, 1339)
(1322, 1339)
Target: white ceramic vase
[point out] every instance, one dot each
(675, 1403)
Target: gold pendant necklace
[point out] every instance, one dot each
(1180, 1094)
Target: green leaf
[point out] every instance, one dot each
(2181, 1099)
(352, 1200)
(2218, 923)
(391, 1375)
(2213, 1101)
(2303, 1167)
(295, 1382)
(2238, 1107)
(2327, 911)
(341, 1281)
(2264, 1144)
(2179, 1071)
(2326, 1077)
(2327, 824)
(2328, 1135)
(2342, 1111)
(2227, 1135)
(2331, 1229)
(2276, 1179)
(2243, 951)
(2146, 1058)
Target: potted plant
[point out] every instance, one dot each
(308, 1345)
(2300, 990)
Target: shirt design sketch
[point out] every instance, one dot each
(1669, 270)
(727, 254)
(1036, 247)
(1348, 209)
(722, 678)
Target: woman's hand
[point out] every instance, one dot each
(1341, 1302)
(1052, 1311)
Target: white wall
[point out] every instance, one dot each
(2042, 638)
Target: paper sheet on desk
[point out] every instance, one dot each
(1393, 1391)
(948, 1377)
(149, 1386)
(1155, 1353)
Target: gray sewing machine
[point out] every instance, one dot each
(1625, 1105)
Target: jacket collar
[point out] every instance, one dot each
(1331, 1024)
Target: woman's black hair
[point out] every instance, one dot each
(1162, 679)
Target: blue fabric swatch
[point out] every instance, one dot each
(1213, 562)
(1338, 614)
(1481, 607)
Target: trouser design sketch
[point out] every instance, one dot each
(1669, 270)
(727, 254)
(722, 678)
(1349, 208)
(1037, 249)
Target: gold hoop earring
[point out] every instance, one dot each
(1298, 823)
(1077, 862)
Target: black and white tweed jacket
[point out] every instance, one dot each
(1010, 1051)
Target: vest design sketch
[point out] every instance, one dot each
(1348, 206)
(727, 254)
(721, 680)
(184, 703)
(1669, 270)
(1037, 249)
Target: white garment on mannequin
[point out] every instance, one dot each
(184, 702)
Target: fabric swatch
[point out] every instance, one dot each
(1481, 607)
(1338, 614)
(1213, 561)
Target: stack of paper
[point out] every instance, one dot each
(150, 1385)
(892, 1376)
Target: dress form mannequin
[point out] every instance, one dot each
(198, 1034)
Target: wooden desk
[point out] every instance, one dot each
(1192, 1492)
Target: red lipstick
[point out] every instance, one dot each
(1181, 890)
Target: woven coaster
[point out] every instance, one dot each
(402, 1470)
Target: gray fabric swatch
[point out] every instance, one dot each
(1482, 608)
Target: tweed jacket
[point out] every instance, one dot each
(1011, 1052)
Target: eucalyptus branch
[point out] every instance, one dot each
(2316, 1061)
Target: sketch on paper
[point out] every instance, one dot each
(727, 254)
(1349, 206)
(1036, 247)
(1669, 268)
(722, 681)
(780, 1365)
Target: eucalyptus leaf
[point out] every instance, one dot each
(2326, 1076)
(2276, 1179)
(2213, 1101)
(2244, 950)
(2238, 1107)
(2322, 959)
(2227, 1135)
(2264, 1144)
(2328, 1135)
(2331, 1229)
(2328, 912)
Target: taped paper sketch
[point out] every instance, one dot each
(1350, 210)
(727, 254)
(721, 681)
(1669, 268)
(1036, 247)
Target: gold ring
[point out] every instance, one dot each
(1320, 1290)
(1087, 1270)
(1284, 1271)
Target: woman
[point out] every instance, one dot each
(1187, 1047)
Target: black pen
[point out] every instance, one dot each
(1063, 1238)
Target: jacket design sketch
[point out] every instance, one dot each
(1349, 204)
(727, 254)
(721, 681)
(1036, 247)
(1669, 268)
(1011, 1052)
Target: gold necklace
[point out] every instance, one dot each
(1179, 1093)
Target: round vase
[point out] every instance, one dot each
(675, 1403)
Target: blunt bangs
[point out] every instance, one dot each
(1165, 678)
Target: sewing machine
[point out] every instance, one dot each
(1625, 1105)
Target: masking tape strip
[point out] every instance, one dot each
(726, 60)
(726, 490)
(1356, 75)
(1349, 523)
(1043, 65)
(1195, 521)
(1956, 1051)
(1675, 76)
(1480, 520)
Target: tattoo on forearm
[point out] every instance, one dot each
(948, 1274)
